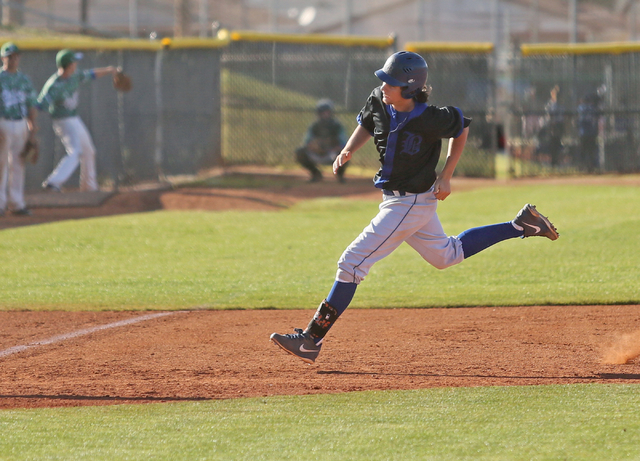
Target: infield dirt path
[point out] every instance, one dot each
(200, 355)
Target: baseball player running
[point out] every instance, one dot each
(60, 97)
(18, 123)
(408, 134)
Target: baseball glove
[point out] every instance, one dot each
(30, 151)
(122, 82)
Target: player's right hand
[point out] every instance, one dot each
(341, 159)
(442, 188)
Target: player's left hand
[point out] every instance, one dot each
(442, 188)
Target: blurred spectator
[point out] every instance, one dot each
(531, 119)
(588, 130)
(553, 129)
(489, 130)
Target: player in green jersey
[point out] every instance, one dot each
(17, 123)
(59, 97)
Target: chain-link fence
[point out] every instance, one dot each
(168, 124)
(271, 85)
(575, 110)
(201, 103)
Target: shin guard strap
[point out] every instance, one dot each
(322, 321)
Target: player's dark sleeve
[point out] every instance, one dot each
(451, 122)
(365, 117)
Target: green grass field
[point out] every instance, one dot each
(577, 422)
(287, 259)
(176, 260)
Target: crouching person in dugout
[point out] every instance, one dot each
(322, 142)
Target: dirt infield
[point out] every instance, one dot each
(68, 359)
(201, 355)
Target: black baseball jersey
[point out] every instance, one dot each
(409, 143)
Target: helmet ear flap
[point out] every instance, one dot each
(408, 93)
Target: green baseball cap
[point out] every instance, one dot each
(8, 49)
(66, 57)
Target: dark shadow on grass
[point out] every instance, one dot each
(599, 376)
(230, 196)
(620, 376)
(105, 398)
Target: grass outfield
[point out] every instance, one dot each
(578, 422)
(287, 259)
(176, 260)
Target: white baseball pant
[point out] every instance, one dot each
(12, 168)
(80, 149)
(410, 219)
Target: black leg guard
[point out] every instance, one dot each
(340, 172)
(304, 160)
(322, 321)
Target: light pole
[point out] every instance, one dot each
(573, 21)
(133, 18)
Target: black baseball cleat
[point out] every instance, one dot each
(50, 187)
(535, 224)
(22, 212)
(299, 344)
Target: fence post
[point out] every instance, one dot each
(512, 65)
(494, 106)
(157, 77)
(348, 83)
(117, 166)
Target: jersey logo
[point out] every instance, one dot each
(411, 143)
(13, 97)
(71, 102)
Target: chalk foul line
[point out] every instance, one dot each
(83, 332)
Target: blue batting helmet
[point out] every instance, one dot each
(407, 70)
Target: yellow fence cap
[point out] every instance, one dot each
(579, 48)
(115, 44)
(450, 47)
(83, 43)
(194, 42)
(315, 39)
